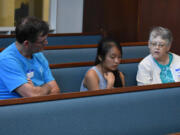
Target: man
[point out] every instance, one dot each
(24, 71)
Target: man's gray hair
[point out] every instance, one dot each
(164, 33)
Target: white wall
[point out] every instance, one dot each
(69, 16)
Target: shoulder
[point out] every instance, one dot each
(91, 73)
(147, 64)
(175, 60)
(10, 65)
(91, 76)
(175, 56)
(148, 60)
(9, 52)
(9, 60)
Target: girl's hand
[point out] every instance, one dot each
(109, 76)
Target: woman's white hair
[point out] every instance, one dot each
(164, 33)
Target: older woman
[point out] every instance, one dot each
(161, 66)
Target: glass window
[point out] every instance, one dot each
(11, 11)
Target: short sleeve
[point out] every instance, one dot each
(12, 74)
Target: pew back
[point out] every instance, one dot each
(70, 55)
(6, 40)
(74, 39)
(82, 53)
(150, 112)
(59, 39)
(130, 52)
(69, 78)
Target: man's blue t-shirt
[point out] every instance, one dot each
(15, 69)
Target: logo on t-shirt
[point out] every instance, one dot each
(30, 73)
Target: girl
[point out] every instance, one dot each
(105, 73)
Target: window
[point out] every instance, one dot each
(11, 11)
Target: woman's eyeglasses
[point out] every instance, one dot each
(157, 44)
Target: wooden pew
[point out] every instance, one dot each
(60, 39)
(175, 133)
(68, 54)
(86, 52)
(141, 110)
(124, 44)
(134, 50)
(82, 53)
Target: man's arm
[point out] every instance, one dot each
(54, 87)
(29, 90)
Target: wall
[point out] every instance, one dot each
(117, 18)
(160, 13)
(45, 8)
(7, 13)
(69, 16)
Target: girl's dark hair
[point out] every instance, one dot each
(30, 28)
(118, 81)
(103, 48)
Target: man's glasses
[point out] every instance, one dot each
(42, 42)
